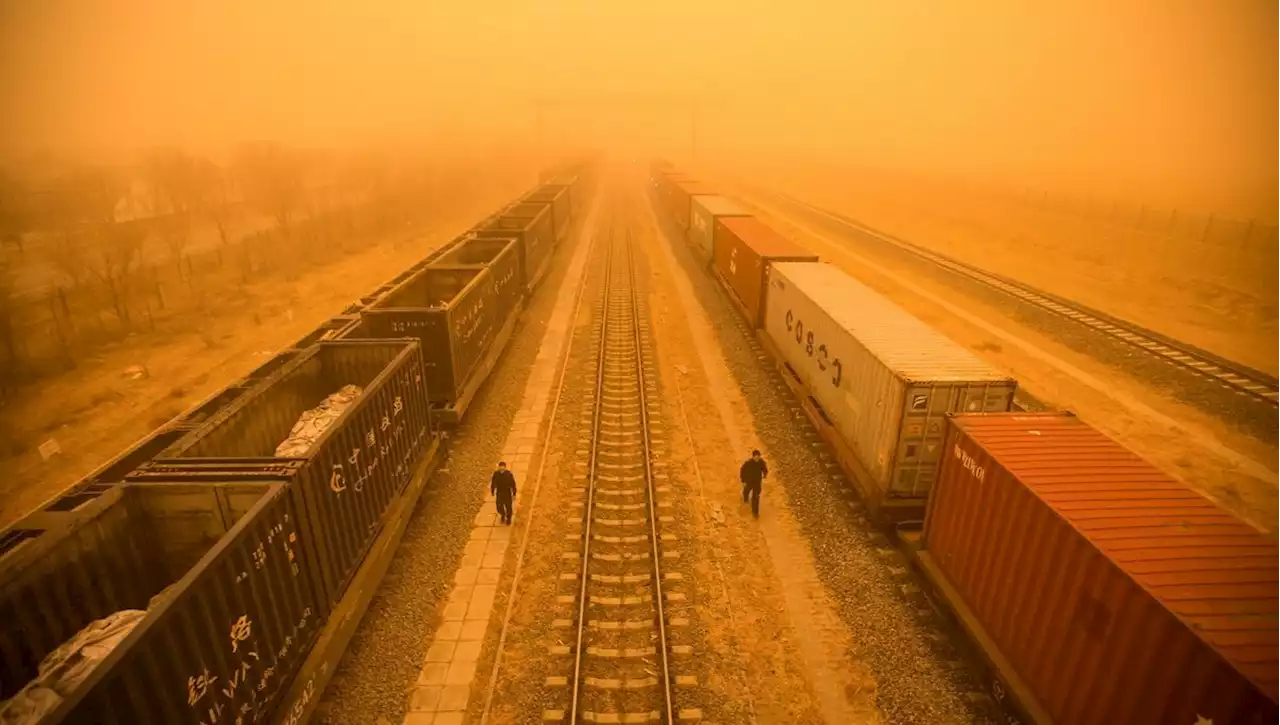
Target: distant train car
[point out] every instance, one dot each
(1112, 593)
(703, 212)
(682, 195)
(745, 249)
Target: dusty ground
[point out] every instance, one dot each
(1230, 467)
(1218, 295)
(95, 411)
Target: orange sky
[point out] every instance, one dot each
(1169, 98)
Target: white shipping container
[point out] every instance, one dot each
(704, 208)
(885, 379)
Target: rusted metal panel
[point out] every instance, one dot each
(353, 470)
(884, 378)
(744, 248)
(452, 310)
(702, 222)
(1118, 594)
(236, 610)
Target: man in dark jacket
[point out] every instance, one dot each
(753, 473)
(503, 486)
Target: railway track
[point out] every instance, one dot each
(620, 668)
(1254, 385)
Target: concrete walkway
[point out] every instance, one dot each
(442, 692)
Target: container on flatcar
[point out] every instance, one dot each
(744, 249)
(352, 470)
(453, 311)
(682, 195)
(702, 222)
(1115, 593)
(532, 224)
(883, 378)
(558, 199)
(221, 589)
(666, 189)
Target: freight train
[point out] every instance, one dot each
(1093, 587)
(213, 572)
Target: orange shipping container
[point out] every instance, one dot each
(1117, 594)
(743, 248)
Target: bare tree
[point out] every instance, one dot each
(179, 188)
(15, 211)
(273, 178)
(113, 259)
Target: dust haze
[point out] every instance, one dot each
(1169, 102)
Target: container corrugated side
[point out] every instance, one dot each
(237, 615)
(537, 235)
(1118, 594)
(744, 248)
(559, 200)
(682, 199)
(702, 222)
(884, 378)
(452, 311)
(506, 267)
(352, 472)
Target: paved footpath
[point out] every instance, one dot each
(442, 692)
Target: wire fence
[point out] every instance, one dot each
(1173, 224)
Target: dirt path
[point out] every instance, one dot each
(1215, 292)
(96, 410)
(1237, 471)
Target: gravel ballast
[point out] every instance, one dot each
(386, 654)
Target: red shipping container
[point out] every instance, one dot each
(1117, 594)
(743, 247)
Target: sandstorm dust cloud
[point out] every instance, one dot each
(1170, 100)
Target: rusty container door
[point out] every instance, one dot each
(1117, 594)
(744, 247)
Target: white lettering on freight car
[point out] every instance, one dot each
(198, 687)
(240, 631)
(970, 464)
(337, 481)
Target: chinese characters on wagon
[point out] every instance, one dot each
(376, 442)
(242, 694)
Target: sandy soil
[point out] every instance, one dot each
(1219, 296)
(1232, 468)
(96, 410)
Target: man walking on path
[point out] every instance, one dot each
(503, 486)
(753, 473)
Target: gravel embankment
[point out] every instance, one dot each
(385, 656)
(919, 676)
